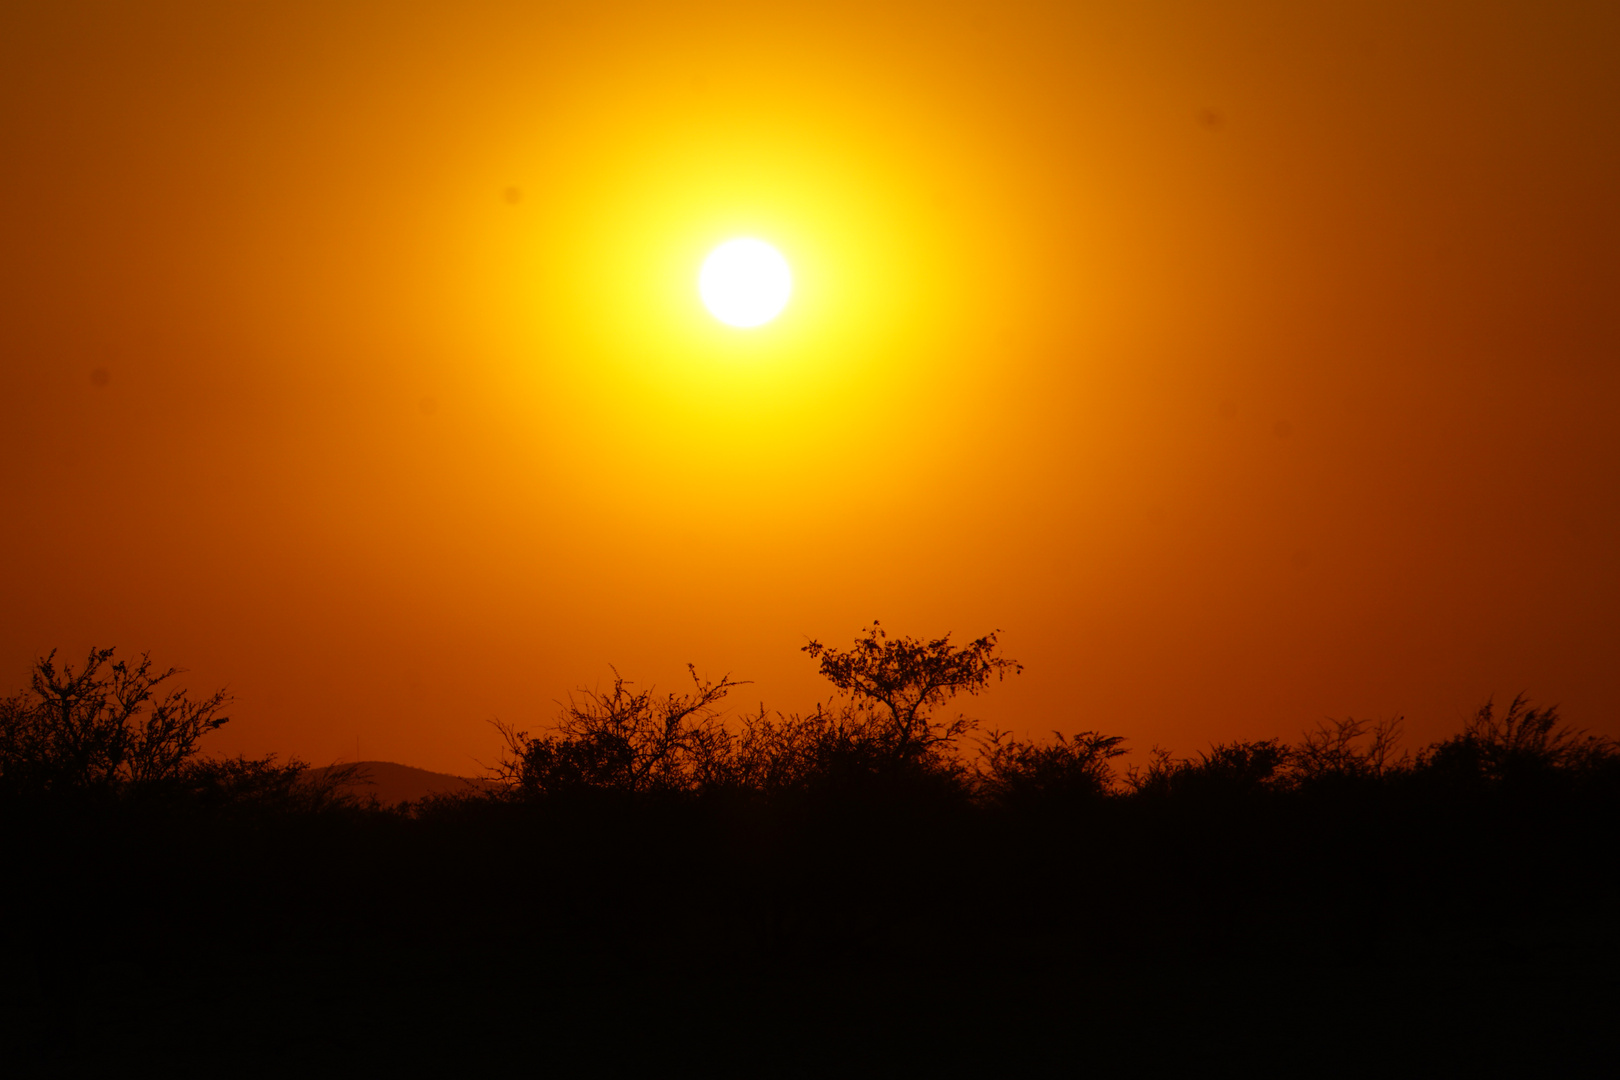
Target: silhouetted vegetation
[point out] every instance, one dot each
(113, 731)
(625, 740)
(645, 834)
(102, 726)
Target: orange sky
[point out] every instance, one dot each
(1246, 364)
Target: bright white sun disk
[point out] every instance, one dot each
(745, 282)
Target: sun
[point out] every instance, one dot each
(745, 282)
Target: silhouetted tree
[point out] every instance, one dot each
(907, 678)
(105, 724)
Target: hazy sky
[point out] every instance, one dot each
(1246, 364)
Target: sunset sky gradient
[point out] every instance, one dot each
(1246, 364)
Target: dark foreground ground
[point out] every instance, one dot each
(1299, 935)
(406, 1014)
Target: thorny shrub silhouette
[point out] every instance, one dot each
(1225, 771)
(1029, 776)
(624, 740)
(1345, 752)
(1524, 745)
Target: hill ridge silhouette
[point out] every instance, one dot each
(392, 782)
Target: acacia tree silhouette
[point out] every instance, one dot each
(908, 677)
(102, 725)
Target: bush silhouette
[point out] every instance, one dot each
(1522, 745)
(1029, 776)
(1350, 751)
(624, 740)
(793, 753)
(1224, 772)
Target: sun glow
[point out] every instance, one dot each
(745, 283)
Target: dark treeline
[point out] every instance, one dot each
(880, 836)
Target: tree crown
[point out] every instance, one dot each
(108, 722)
(908, 677)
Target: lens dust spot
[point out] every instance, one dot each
(512, 195)
(100, 377)
(1211, 119)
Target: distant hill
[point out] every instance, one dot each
(392, 783)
